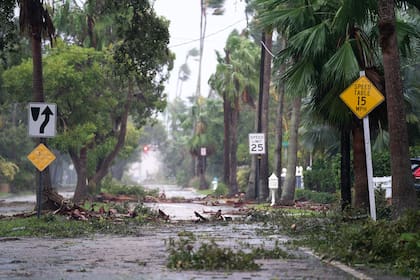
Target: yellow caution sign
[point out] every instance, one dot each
(362, 97)
(41, 157)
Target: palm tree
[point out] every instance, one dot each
(315, 30)
(217, 7)
(234, 78)
(35, 22)
(403, 194)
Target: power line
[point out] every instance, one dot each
(212, 34)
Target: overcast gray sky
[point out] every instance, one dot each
(184, 17)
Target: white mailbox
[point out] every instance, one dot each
(273, 185)
(273, 182)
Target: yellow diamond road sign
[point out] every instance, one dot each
(362, 97)
(41, 157)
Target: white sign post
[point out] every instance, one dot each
(362, 97)
(42, 119)
(273, 185)
(256, 143)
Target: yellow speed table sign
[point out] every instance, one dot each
(41, 157)
(362, 97)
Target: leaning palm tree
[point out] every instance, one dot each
(234, 79)
(329, 46)
(35, 22)
(403, 194)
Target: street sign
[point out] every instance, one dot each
(41, 157)
(256, 143)
(362, 97)
(42, 119)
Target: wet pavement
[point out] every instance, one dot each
(145, 255)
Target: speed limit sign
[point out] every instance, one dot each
(256, 143)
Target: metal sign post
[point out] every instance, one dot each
(362, 97)
(40, 157)
(42, 118)
(257, 147)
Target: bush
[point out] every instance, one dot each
(386, 244)
(318, 197)
(381, 163)
(208, 256)
(111, 187)
(222, 189)
(323, 177)
(242, 177)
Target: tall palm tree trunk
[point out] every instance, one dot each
(345, 179)
(403, 193)
(288, 193)
(361, 195)
(226, 140)
(233, 183)
(264, 172)
(279, 136)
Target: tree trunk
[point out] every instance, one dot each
(345, 179)
(202, 173)
(288, 193)
(203, 26)
(361, 195)
(233, 183)
(403, 193)
(226, 140)
(264, 172)
(107, 162)
(38, 96)
(80, 165)
(251, 192)
(279, 122)
(227, 109)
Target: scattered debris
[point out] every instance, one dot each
(163, 215)
(200, 218)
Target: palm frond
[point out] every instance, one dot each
(342, 68)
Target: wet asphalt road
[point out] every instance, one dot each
(145, 255)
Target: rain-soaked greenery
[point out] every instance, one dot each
(59, 226)
(185, 253)
(351, 238)
(354, 239)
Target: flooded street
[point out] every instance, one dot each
(144, 255)
(177, 211)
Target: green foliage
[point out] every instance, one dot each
(383, 209)
(317, 197)
(208, 256)
(15, 145)
(275, 253)
(242, 177)
(222, 189)
(323, 177)
(8, 170)
(415, 151)
(381, 163)
(111, 187)
(385, 243)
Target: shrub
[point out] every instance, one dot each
(114, 188)
(323, 177)
(222, 189)
(242, 177)
(208, 256)
(318, 197)
(384, 243)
